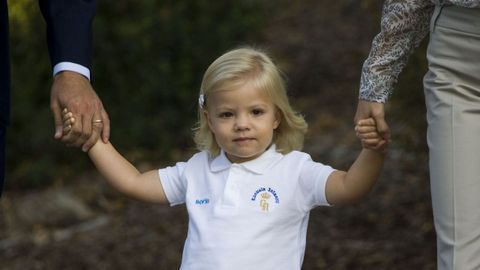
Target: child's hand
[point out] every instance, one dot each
(366, 130)
(68, 121)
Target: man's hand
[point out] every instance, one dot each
(375, 110)
(73, 91)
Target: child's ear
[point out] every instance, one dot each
(278, 118)
(207, 117)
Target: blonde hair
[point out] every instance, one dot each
(237, 67)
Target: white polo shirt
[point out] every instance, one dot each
(252, 215)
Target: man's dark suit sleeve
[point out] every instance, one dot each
(69, 30)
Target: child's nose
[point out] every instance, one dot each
(241, 123)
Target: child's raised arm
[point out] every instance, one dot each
(352, 185)
(120, 173)
(124, 177)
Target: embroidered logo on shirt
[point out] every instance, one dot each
(264, 201)
(202, 201)
(267, 199)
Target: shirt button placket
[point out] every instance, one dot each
(230, 195)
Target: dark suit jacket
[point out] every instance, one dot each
(4, 65)
(69, 34)
(69, 38)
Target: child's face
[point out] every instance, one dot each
(243, 121)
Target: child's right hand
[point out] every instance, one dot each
(366, 130)
(68, 121)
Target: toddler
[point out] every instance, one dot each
(249, 190)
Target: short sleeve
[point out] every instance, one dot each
(312, 183)
(174, 183)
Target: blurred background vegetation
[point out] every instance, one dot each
(148, 62)
(149, 58)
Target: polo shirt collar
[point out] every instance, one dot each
(258, 165)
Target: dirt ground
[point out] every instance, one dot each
(89, 226)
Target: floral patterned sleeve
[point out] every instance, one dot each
(403, 26)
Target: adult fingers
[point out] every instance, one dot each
(106, 126)
(368, 109)
(382, 127)
(96, 126)
(57, 118)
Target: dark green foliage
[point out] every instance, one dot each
(148, 62)
(159, 51)
(149, 58)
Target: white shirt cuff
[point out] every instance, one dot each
(62, 66)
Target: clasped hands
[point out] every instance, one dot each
(366, 130)
(73, 91)
(371, 127)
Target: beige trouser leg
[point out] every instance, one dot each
(452, 94)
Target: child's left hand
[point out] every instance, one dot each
(366, 130)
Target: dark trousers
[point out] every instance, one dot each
(4, 87)
(2, 158)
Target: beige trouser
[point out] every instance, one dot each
(452, 94)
